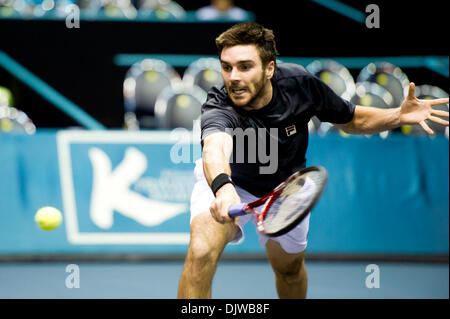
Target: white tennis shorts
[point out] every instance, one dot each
(202, 197)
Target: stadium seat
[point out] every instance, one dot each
(17, 8)
(90, 7)
(335, 75)
(161, 9)
(388, 76)
(313, 125)
(33, 8)
(143, 83)
(204, 72)
(428, 92)
(62, 8)
(340, 80)
(118, 9)
(179, 105)
(372, 94)
(13, 120)
(6, 97)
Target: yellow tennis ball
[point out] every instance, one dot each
(48, 218)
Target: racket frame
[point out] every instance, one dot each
(269, 198)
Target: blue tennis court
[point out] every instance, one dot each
(154, 280)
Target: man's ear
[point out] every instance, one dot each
(270, 69)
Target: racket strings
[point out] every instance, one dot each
(293, 201)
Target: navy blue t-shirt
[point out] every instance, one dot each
(297, 96)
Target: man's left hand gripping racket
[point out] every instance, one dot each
(288, 204)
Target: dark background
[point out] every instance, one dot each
(78, 63)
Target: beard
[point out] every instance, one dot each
(254, 93)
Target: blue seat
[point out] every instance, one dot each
(161, 9)
(340, 80)
(179, 105)
(144, 81)
(204, 72)
(389, 76)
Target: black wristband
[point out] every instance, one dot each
(219, 181)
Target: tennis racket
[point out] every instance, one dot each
(288, 204)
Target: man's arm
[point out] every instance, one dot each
(217, 149)
(371, 120)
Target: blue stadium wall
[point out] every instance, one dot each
(128, 193)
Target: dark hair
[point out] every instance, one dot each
(250, 33)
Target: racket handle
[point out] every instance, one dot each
(237, 210)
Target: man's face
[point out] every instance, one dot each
(244, 77)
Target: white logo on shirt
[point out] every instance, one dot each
(291, 130)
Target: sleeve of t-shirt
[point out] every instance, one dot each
(215, 119)
(329, 107)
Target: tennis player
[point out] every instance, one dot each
(260, 94)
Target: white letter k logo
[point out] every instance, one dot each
(110, 192)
